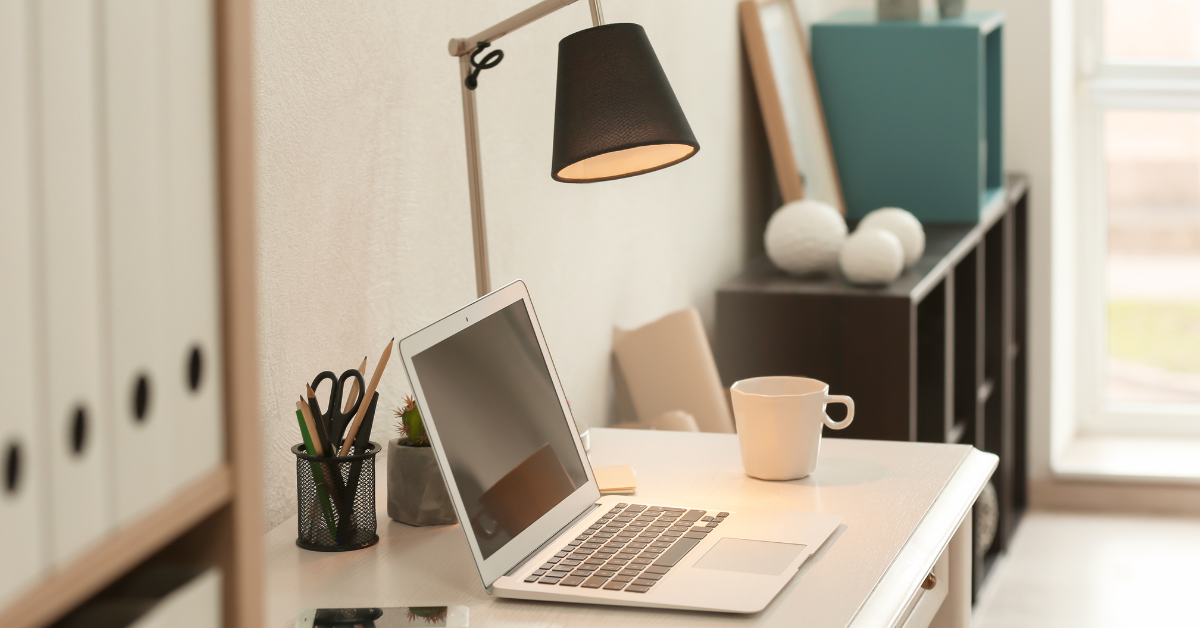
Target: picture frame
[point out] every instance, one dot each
(790, 102)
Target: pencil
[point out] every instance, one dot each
(362, 369)
(360, 445)
(322, 494)
(324, 432)
(368, 394)
(333, 475)
(307, 428)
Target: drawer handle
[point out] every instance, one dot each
(930, 582)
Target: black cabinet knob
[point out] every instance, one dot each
(195, 369)
(141, 398)
(79, 430)
(12, 468)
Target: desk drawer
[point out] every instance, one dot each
(926, 602)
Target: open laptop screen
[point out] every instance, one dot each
(500, 423)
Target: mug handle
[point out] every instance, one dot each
(844, 423)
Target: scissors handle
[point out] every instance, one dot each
(334, 418)
(333, 380)
(326, 417)
(362, 387)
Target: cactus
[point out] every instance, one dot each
(410, 424)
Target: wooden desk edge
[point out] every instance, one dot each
(902, 580)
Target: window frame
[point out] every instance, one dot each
(1105, 84)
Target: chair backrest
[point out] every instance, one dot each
(668, 365)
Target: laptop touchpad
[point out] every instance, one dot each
(745, 556)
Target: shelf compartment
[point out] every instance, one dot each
(935, 363)
(968, 342)
(69, 585)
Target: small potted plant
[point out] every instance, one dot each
(417, 493)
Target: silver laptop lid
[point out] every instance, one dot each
(500, 427)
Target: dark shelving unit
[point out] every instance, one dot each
(936, 356)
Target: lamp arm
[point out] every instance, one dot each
(483, 275)
(597, 12)
(465, 46)
(462, 48)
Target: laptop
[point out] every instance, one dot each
(524, 491)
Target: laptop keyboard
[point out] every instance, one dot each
(630, 548)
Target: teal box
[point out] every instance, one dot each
(914, 111)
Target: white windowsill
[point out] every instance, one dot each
(1130, 459)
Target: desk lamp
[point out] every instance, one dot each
(615, 113)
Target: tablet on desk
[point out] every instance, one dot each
(396, 617)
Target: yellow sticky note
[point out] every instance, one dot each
(615, 480)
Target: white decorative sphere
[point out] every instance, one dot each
(872, 257)
(805, 237)
(904, 225)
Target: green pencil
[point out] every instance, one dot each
(319, 477)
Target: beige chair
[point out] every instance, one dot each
(667, 369)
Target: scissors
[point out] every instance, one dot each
(337, 414)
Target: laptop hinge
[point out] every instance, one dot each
(550, 540)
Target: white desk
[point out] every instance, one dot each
(902, 503)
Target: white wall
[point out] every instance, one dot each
(364, 226)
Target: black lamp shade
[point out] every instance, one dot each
(615, 115)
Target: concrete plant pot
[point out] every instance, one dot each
(417, 493)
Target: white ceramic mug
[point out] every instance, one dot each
(779, 423)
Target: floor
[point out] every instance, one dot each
(1095, 571)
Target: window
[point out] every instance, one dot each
(1139, 231)
(1151, 30)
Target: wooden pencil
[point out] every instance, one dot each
(332, 476)
(367, 395)
(362, 368)
(318, 477)
(317, 450)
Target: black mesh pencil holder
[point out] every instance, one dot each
(336, 500)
